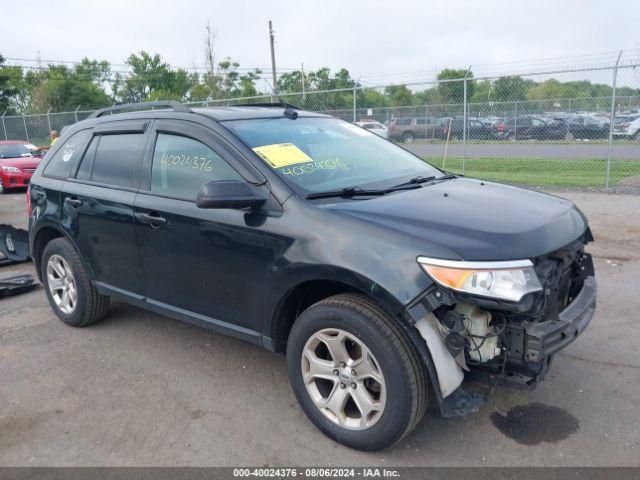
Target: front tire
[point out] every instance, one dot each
(2, 187)
(355, 373)
(72, 296)
(408, 137)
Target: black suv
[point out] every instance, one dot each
(381, 277)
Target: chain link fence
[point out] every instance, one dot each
(577, 128)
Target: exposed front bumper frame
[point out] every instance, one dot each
(546, 338)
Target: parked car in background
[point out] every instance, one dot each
(408, 129)
(18, 161)
(627, 126)
(581, 127)
(533, 127)
(492, 120)
(374, 127)
(476, 129)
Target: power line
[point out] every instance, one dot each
(175, 67)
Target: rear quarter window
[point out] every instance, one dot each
(63, 160)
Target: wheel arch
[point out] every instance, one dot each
(307, 290)
(45, 234)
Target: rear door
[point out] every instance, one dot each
(98, 204)
(207, 264)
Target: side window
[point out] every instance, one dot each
(84, 171)
(61, 163)
(181, 165)
(112, 159)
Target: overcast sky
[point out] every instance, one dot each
(380, 41)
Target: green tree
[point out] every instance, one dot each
(399, 95)
(61, 88)
(549, 89)
(453, 91)
(483, 92)
(507, 89)
(10, 86)
(152, 79)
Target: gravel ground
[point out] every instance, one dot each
(630, 185)
(141, 389)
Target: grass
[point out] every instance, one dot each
(438, 141)
(542, 172)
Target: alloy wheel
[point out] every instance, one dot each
(343, 379)
(62, 284)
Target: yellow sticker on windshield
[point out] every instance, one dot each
(282, 154)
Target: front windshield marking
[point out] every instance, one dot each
(317, 154)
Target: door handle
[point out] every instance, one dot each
(152, 219)
(73, 201)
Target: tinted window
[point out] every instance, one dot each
(84, 171)
(403, 121)
(182, 165)
(61, 163)
(116, 159)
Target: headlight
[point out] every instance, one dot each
(8, 168)
(509, 280)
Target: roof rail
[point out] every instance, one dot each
(274, 105)
(175, 106)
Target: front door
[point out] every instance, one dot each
(202, 263)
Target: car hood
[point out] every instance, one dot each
(477, 220)
(21, 162)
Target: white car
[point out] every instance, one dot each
(627, 126)
(375, 127)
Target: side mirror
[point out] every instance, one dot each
(228, 194)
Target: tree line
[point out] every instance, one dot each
(95, 83)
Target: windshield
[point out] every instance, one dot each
(319, 154)
(15, 150)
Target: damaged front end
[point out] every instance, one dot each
(538, 307)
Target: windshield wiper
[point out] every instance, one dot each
(420, 179)
(347, 193)
(357, 192)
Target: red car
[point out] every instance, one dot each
(18, 161)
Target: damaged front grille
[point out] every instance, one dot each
(562, 275)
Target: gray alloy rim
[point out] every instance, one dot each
(343, 379)
(62, 284)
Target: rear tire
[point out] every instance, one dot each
(72, 296)
(395, 379)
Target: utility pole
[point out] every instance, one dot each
(273, 59)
